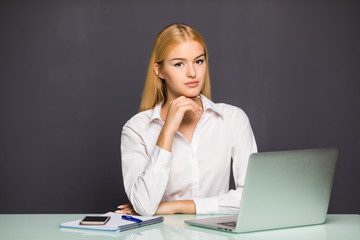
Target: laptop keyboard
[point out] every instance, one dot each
(228, 224)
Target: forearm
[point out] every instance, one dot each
(146, 193)
(165, 138)
(173, 207)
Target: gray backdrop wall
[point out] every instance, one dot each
(72, 74)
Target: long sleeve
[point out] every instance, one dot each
(228, 203)
(197, 170)
(145, 173)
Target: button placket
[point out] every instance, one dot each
(195, 167)
(194, 160)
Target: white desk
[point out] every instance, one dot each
(46, 226)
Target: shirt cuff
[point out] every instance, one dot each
(161, 159)
(207, 205)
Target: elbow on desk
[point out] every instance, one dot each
(143, 207)
(144, 210)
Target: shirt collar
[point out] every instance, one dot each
(156, 112)
(207, 105)
(210, 105)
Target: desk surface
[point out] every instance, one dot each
(46, 226)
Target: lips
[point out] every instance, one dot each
(192, 84)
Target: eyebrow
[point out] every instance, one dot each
(182, 59)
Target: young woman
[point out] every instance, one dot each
(176, 152)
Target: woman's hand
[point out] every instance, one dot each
(177, 110)
(126, 209)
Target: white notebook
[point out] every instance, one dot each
(115, 224)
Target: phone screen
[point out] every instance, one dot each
(95, 220)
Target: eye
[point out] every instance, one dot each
(179, 64)
(200, 61)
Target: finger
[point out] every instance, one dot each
(189, 107)
(194, 107)
(177, 100)
(124, 211)
(194, 98)
(190, 100)
(187, 101)
(125, 205)
(121, 212)
(128, 211)
(185, 107)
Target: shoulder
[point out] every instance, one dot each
(140, 120)
(236, 121)
(232, 113)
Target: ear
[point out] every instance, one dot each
(157, 70)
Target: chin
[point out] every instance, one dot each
(191, 95)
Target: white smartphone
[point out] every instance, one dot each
(95, 220)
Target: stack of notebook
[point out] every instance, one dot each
(116, 223)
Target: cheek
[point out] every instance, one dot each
(174, 76)
(173, 80)
(202, 68)
(202, 71)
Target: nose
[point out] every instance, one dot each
(191, 71)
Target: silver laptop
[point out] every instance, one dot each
(282, 189)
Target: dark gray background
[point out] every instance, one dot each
(72, 74)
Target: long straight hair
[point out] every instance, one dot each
(155, 90)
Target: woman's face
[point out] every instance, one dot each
(183, 70)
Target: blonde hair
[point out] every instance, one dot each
(155, 88)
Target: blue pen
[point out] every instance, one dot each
(130, 218)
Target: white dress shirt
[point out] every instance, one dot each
(198, 171)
